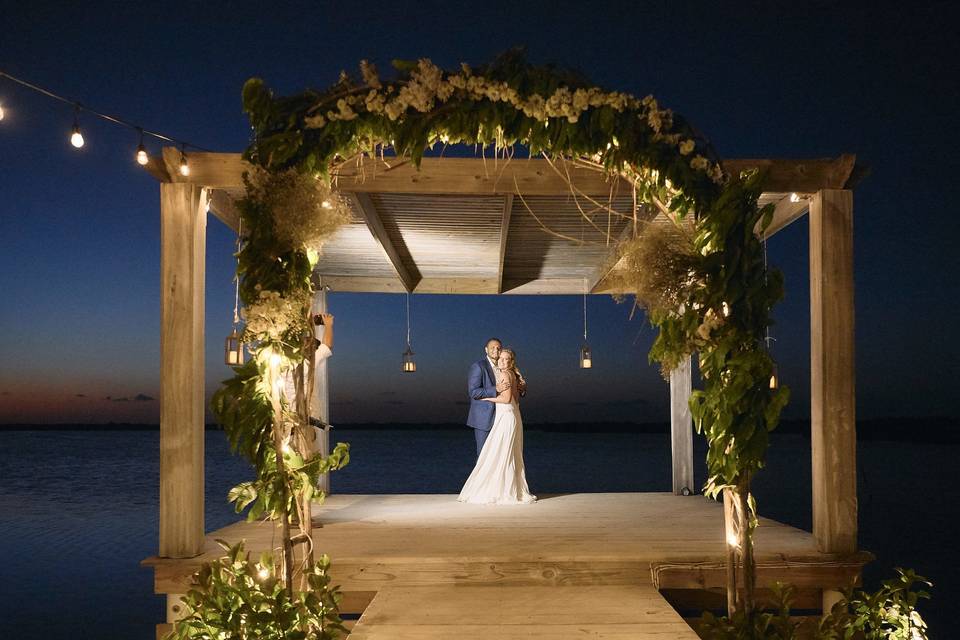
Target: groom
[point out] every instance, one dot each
(484, 381)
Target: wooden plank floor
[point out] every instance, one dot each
(379, 541)
(453, 612)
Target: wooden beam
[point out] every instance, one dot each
(504, 231)
(462, 286)
(681, 427)
(801, 176)
(833, 438)
(363, 204)
(183, 224)
(476, 176)
(320, 400)
(157, 168)
(784, 213)
(223, 207)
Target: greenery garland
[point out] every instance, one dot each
(711, 293)
(721, 307)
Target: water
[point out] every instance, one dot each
(78, 509)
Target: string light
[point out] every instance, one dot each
(76, 137)
(142, 157)
(184, 167)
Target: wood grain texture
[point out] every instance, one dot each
(681, 427)
(624, 611)
(833, 439)
(377, 541)
(183, 220)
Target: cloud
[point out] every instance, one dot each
(142, 397)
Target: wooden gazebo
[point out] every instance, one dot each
(479, 226)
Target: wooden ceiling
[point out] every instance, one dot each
(474, 226)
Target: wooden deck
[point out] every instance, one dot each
(648, 541)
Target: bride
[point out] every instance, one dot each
(499, 476)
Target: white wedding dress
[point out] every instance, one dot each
(499, 476)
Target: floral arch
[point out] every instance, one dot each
(705, 284)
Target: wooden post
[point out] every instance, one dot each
(681, 427)
(320, 400)
(183, 231)
(833, 437)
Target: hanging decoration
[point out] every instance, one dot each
(77, 139)
(409, 364)
(586, 358)
(233, 347)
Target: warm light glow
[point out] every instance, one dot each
(774, 378)
(275, 359)
(732, 539)
(586, 357)
(142, 157)
(794, 197)
(285, 447)
(409, 367)
(1, 112)
(726, 310)
(76, 138)
(264, 573)
(184, 167)
(326, 204)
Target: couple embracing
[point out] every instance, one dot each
(495, 387)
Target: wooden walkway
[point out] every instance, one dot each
(637, 612)
(646, 542)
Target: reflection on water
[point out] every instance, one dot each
(78, 510)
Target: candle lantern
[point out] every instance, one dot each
(409, 364)
(586, 359)
(233, 349)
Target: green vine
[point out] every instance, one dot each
(719, 305)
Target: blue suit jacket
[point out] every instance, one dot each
(481, 383)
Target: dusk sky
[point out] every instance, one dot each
(80, 232)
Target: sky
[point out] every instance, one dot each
(79, 230)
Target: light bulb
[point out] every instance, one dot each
(184, 167)
(326, 204)
(263, 574)
(142, 157)
(732, 539)
(76, 138)
(794, 197)
(275, 359)
(1, 112)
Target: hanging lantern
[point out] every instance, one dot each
(233, 345)
(586, 359)
(774, 378)
(233, 349)
(409, 364)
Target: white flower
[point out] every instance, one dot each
(315, 122)
(369, 72)
(699, 163)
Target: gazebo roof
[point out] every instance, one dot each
(475, 226)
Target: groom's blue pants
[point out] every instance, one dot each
(481, 436)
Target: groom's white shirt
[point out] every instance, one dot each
(496, 372)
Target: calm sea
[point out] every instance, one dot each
(78, 509)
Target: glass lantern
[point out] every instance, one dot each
(774, 378)
(233, 349)
(409, 364)
(586, 359)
